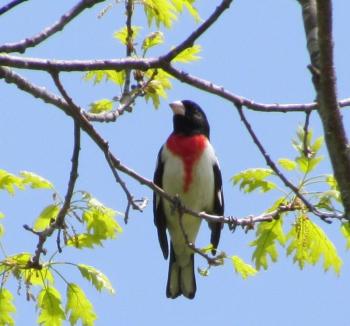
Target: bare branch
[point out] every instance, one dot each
(10, 6)
(58, 224)
(209, 87)
(306, 150)
(36, 91)
(124, 106)
(77, 65)
(325, 216)
(153, 63)
(335, 135)
(189, 41)
(129, 46)
(309, 12)
(21, 46)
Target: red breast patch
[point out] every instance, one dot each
(189, 149)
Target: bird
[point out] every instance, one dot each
(187, 168)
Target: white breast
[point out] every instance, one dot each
(199, 197)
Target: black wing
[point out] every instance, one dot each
(158, 208)
(218, 208)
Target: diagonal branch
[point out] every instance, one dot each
(10, 6)
(220, 91)
(323, 215)
(21, 46)
(189, 41)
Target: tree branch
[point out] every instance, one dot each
(335, 135)
(44, 95)
(58, 224)
(154, 63)
(10, 6)
(325, 216)
(78, 65)
(189, 41)
(220, 91)
(21, 46)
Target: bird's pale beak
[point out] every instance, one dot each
(178, 107)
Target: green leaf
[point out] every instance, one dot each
(157, 87)
(189, 54)
(35, 181)
(84, 240)
(40, 277)
(306, 165)
(116, 77)
(253, 179)
(332, 182)
(309, 243)
(122, 34)
(78, 307)
(326, 200)
(100, 224)
(314, 162)
(6, 307)
(47, 216)
(101, 106)
(243, 268)
(180, 4)
(19, 260)
(97, 278)
(160, 12)
(9, 181)
(207, 249)
(152, 40)
(316, 146)
(267, 235)
(287, 164)
(50, 308)
(203, 271)
(345, 230)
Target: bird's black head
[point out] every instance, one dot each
(189, 119)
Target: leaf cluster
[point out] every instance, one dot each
(152, 85)
(305, 241)
(97, 223)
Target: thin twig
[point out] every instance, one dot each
(72, 180)
(114, 115)
(129, 47)
(21, 46)
(212, 261)
(10, 6)
(138, 205)
(306, 150)
(58, 223)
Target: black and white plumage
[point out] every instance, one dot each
(187, 167)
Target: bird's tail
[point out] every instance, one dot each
(181, 279)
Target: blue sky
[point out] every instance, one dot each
(257, 50)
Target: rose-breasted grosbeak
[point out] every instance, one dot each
(187, 167)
